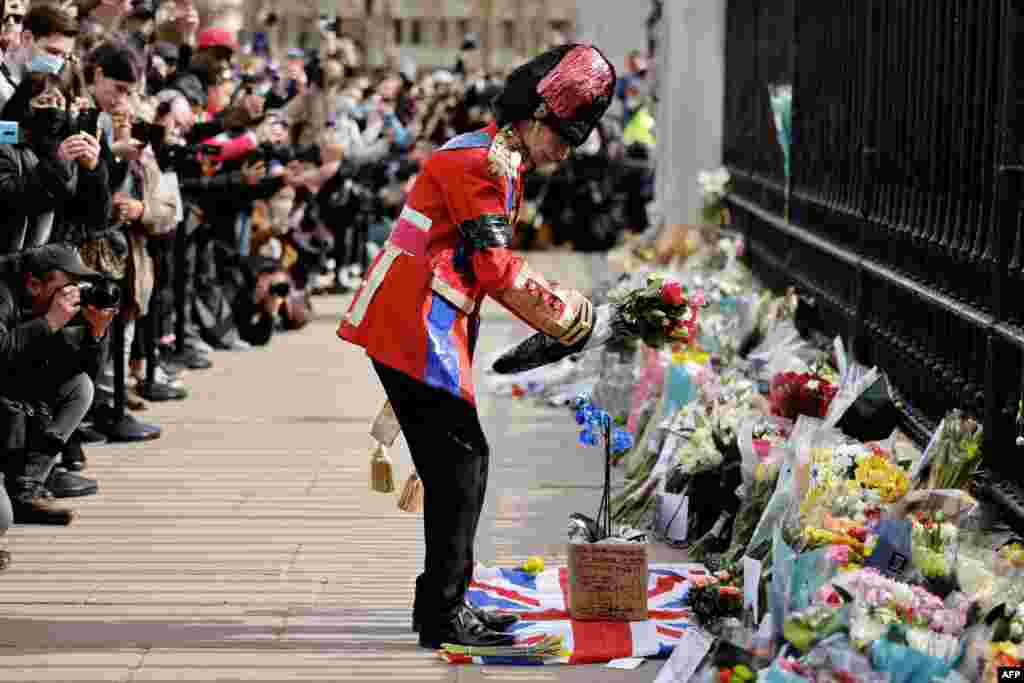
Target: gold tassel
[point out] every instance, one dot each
(382, 470)
(411, 498)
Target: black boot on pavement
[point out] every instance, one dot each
(462, 628)
(65, 484)
(33, 504)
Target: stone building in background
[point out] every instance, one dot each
(428, 32)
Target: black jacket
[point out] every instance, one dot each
(34, 361)
(33, 185)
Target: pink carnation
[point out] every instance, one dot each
(698, 298)
(839, 554)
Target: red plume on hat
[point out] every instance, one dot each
(569, 87)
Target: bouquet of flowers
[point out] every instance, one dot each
(659, 312)
(879, 602)
(806, 627)
(714, 597)
(800, 393)
(1009, 623)
(953, 459)
(698, 453)
(761, 441)
(846, 485)
(934, 543)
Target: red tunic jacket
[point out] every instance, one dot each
(414, 312)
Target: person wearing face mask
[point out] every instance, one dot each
(417, 314)
(47, 32)
(53, 177)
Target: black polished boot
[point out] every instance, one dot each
(462, 628)
(492, 620)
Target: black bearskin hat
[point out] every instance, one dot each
(569, 87)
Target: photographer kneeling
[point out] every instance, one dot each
(46, 362)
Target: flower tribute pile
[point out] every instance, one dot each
(832, 553)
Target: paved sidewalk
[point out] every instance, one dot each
(246, 544)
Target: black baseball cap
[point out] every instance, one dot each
(51, 257)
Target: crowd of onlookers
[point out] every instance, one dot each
(169, 193)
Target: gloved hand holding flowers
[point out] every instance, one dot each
(659, 313)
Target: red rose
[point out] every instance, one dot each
(672, 294)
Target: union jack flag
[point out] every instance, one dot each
(540, 603)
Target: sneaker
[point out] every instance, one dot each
(36, 505)
(193, 360)
(129, 430)
(160, 391)
(64, 484)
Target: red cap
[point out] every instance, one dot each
(217, 37)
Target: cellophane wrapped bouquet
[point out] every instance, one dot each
(762, 441)
(655, 309)
(953, 459)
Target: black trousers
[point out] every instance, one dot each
(451, 455)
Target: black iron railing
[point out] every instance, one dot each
(902, 212)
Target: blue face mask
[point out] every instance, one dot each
(45, 63)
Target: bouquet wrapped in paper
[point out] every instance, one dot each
(800, 393)
(832, 660)
(713, 598)
(659, 312)
(954, 455)
(928, 624)
(762, 448)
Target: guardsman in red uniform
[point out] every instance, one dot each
(417, 313)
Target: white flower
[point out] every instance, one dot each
(903, 593)
(713, 184)
(843, 460)
(1017, 630)
(721, 177)
(948, 533)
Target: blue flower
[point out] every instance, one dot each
(581, 417)
(602, 420)
(622, 441)
(588, 437)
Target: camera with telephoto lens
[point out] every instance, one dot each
(101, 294)
(182, 159)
